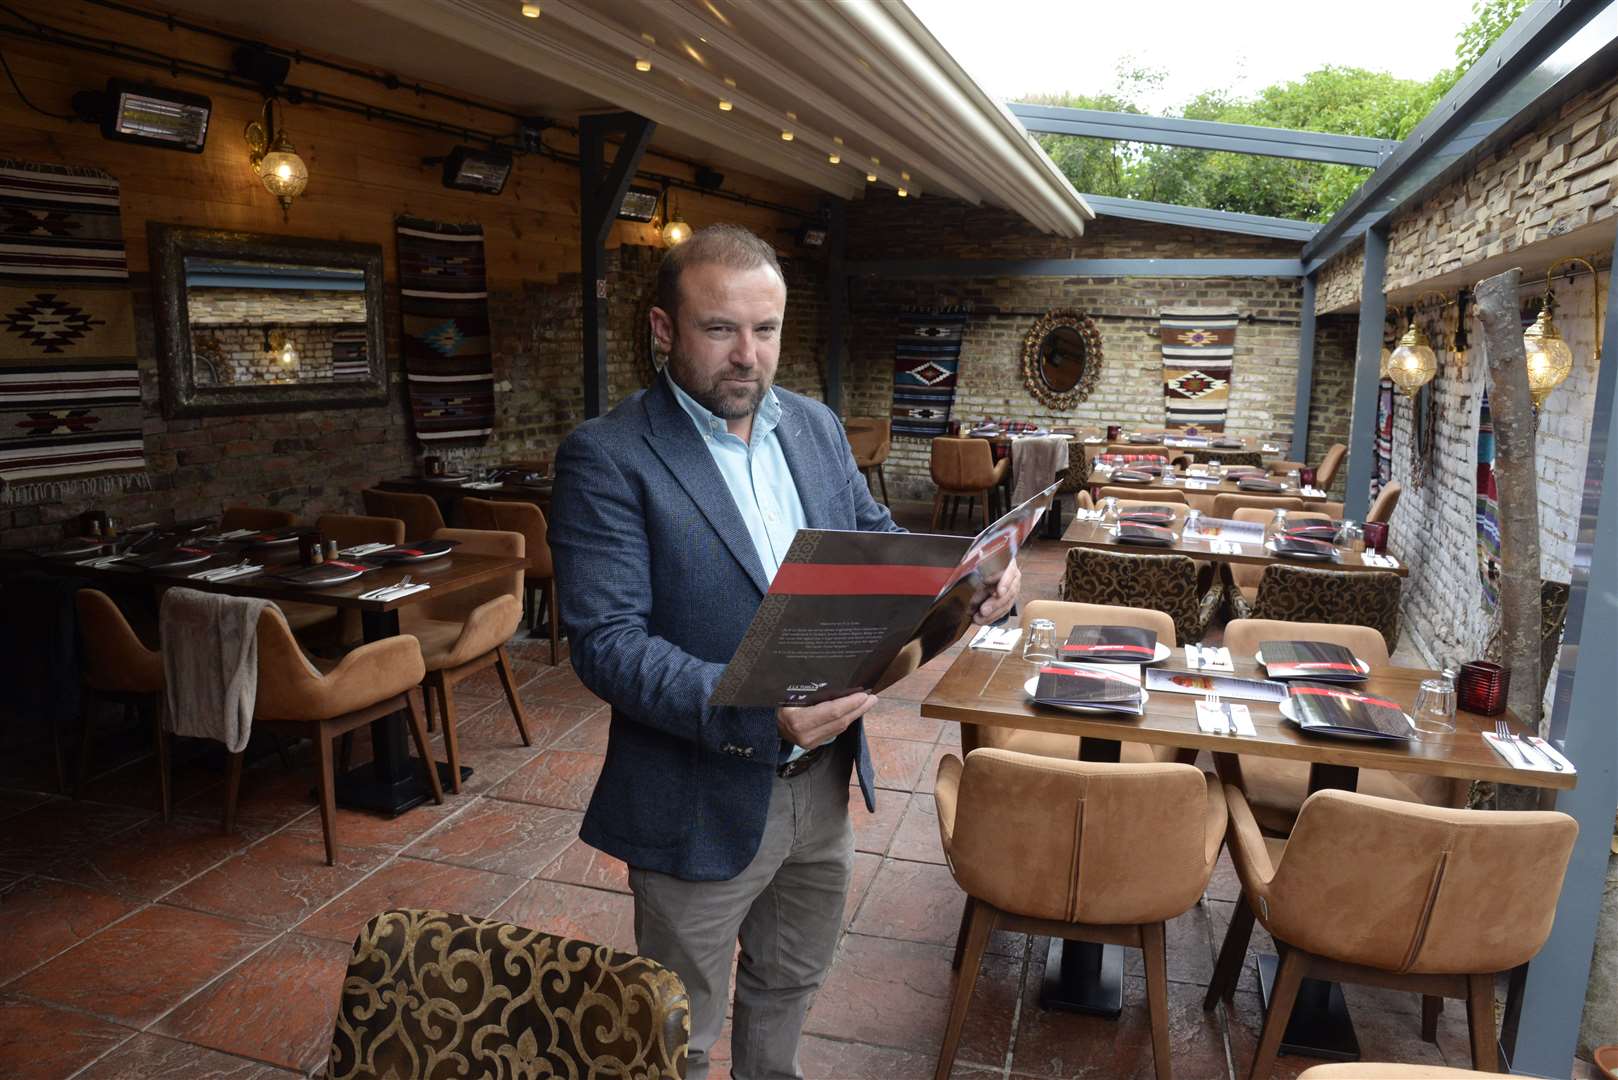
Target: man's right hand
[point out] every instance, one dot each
(812, 725)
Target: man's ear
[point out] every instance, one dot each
(662, 329)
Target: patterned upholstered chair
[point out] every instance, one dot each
(433, 995)
(1166, 583)
(1355, 597)
(1208, 455)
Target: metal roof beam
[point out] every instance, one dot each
(1108, 268)
(1195, 217)
(1206, 135)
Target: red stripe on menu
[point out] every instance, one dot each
(1318, 692)
(1107, 648)
(1087, 675)
(850, 579)
(1334, 664)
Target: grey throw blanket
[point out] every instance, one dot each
(1035, 464)
(210, 660)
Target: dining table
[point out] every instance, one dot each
(449, 491)
(390, 782)
(1091, 532)
(987, 688)
(1207, 486)
(1172, 445)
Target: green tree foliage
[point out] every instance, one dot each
(1341, 100)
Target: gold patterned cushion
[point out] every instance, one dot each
(433, 995)
(1354, 597)
(1227, 457)
(1166, 583)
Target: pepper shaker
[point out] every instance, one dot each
(331, 550)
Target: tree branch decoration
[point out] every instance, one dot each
(1061, 358)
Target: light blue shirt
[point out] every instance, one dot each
(756, 474)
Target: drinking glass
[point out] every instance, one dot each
(1193, 523)
(1040, 645)
(1350, 537)
(1109, 510)
(1434, 713)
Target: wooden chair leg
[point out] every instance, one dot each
(502, 663)
(59, 754)
(233, 788)
(328, 794)
(938, 508)
(971, 502)
(977, 940)
(345, 753)
(1157, 996)
(418, 730)
(446, 709)
(1431, 1007)
(429, 705)
(162, 747)
(85, 710)
(1232, 955)
(1288, 977)
(556, 619)
(960, 936)
(1480, 1023)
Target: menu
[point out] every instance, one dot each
(851, 611)
(1125, 644)
(1113, 688)
(1330, 710)
(1320, 660)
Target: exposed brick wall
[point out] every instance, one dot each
(1337, 284)
(1331, 393)
(207, 306)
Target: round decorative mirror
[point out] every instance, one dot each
(1061, 358)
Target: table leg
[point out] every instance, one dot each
(1320, 1025)
(1081, 976)
(392, 782)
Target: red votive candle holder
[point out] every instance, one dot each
(1306, 476)
(1481, 688)
(1114, 431)
(1376, 536)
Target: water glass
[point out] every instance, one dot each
(1109, 510)
(1193, 523)
(1434, 713)
(1350, 538)
(1039, 646)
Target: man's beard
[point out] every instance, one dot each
(727, 403)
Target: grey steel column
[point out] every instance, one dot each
(601, 193)
(1367, 374)
(1306, 373)
(1582, 727)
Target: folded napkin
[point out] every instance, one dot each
(100, 561)
(996, 638)
(1371, 558)
(1224, 547)
(483, 485)
(363, 549)
(1312, 492)
(1226, 718)
(393, 592)
(225, 573)
(1538, 759)
(1271, 448)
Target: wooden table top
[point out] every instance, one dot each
(1093, 534)
(984, 687)
(1177, 481)
(451, 573)
(535, 493)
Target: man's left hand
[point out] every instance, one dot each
(1001, 600)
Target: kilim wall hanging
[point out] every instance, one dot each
(70, 414)
(444, 299)
(1383, 473)
(926, 361)
(1198, 347)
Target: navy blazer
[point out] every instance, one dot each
(658, 580)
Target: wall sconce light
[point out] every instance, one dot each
(276, 163)
(1413, 364)
(469, 169)
(675, 231)
(279, 345)
(1549, 358)
(129, 112)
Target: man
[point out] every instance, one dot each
(670, 516)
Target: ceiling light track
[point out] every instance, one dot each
(179, 67)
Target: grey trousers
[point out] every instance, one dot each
(786, 908)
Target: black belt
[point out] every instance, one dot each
(804, 761)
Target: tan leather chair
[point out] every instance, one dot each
(1066, 616)
(1276, 789)
(1372, 1070)
(118, 668)
(540, 578)
(1326, 471)
(1080, 850)
(1386, 500)
(870, 438)
(1346, 597)
(1419, 898)
(1142, 494)
(466, 631)
(255, 517)
(1227, 503)
(1166, 583)
(1243, 578)
(966, 467)
(351, 530)
(420, 513)
(295, 698)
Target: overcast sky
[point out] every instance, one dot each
(1017, 47)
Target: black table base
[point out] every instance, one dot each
(1083, 977)
(1320, 1026)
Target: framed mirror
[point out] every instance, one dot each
(251, 323)
(1061, 358)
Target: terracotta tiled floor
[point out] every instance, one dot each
(131, 948)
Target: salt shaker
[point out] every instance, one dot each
(331, 550)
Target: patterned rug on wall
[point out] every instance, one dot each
(1383, 473)
(70, 415)
(1198, 347)
(444, 299)
(926, 361)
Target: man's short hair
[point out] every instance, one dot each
(730, 246)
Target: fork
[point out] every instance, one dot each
(1212, 699)
(1502, 731)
